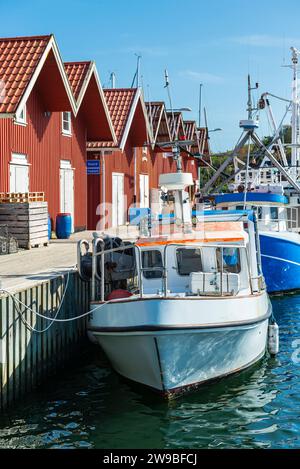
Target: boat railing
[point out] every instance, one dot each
(266, 175)
(280, 224)
(256, 283)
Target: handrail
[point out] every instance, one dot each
(95, 275)
(163, 269)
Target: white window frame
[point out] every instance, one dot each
(21, 119)
(63, 120)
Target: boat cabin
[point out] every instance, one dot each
(220, 261)
(272, 210)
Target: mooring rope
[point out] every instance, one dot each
(52, 320)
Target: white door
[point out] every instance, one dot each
(19, 173)
(67, 189)
(117, 199)
(144, 191)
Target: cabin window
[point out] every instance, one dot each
(66, 123)
(152, 260)
(258, 211)
(189, 260)
(21, 116)
(274, 213)
(231, 260)
(239, 207)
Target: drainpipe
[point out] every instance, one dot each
(134, 159)
(103, 191)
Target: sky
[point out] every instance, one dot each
(216, 43)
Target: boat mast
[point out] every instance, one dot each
(249, 108)
(295, 114)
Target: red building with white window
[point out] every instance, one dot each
(125, 166)
(48, 110)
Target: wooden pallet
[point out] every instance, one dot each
(27, 222)
(35, 244)
(21, 197)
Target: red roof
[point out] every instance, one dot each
(204, 141)
(90, 100)
(19, 57)
(77, 73)
(176, 125)
(202, 146)
(158, 119)
(190, 128)
(119, 102)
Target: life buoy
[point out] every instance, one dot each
(117, 294)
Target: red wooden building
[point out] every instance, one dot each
(125, 165)
(48, 110)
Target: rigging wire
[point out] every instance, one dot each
(277, 97)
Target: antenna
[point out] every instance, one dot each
(167, 85)
(200, 103)
(166, 79)
(295, 113)
(112, 80)
(205, 117)
(250, 107)
(136, 77)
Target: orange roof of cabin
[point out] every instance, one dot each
(19, 58)
(158, 119)
(77, 73)
(92, 106)
(120, 102)
(206, 232)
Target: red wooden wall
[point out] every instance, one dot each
(43, 143)
(151, 163)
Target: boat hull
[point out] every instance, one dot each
(174, 358)
(179, 360)
(280, 262)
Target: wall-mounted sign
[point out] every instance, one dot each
(93, 167)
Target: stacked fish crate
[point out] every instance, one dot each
(26, 216)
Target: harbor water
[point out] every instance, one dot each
(89, 406)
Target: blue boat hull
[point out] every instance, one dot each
(280, 263)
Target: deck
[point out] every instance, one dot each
(30, 268)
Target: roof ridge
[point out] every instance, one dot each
(79, 62)
(120, 89)
(23, 38)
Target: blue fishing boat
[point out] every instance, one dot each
(280, 245)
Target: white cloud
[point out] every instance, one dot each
(204, 77)
(265, 40)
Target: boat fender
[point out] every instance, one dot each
(117, 294)
(92, 338)
(273, 338)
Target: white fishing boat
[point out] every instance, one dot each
(194, 307)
